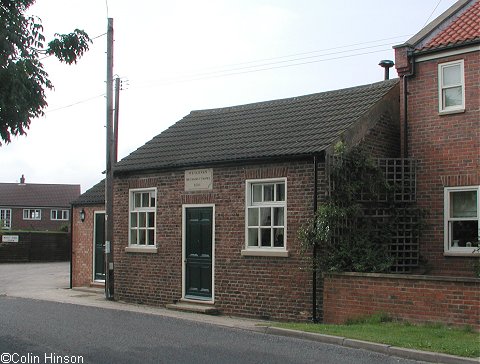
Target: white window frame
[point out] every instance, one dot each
(6, 220)
(449, 248)
(135, 247)
(32, 214)
(249, 203)
(64, 214)
(441, 102)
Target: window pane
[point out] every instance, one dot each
(463, 204)
(133, 219)
(278, 240)
(137, 197)
(464, 233)
(253, 216)
(146, 199)
(142, 219)
(141, 237)
(252, 237)
(265, 216)
(152, 199)
(151, 237)
(452, 96)
(451, 75)
(268, 192)
(278, 216)
(280, 192)
(266, 237)
(257, 193)
(151, 219)
(133, 236)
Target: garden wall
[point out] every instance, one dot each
(412, 298)
(36, 247)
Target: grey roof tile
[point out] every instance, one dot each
(286, 127)
(93, 196)
(37, 195)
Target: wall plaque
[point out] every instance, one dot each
(9, 238)
(199, 180)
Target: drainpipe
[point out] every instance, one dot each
(71, 246)
(405, 103)
(314, 253)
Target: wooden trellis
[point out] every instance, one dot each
(395, 207)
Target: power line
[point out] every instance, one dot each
(439, 1)
(75, 103)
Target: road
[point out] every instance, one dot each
(45, 332)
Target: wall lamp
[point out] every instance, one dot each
(82, 215)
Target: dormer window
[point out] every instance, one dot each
(451, 83)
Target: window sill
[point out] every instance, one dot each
(264, 253)
(467, 253)
(147, 249)
(453, 111)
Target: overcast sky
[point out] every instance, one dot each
(178, 56)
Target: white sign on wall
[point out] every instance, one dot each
(199, 180)
(9, 238)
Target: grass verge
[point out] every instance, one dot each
(381, 329)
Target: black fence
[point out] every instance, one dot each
(34, 247)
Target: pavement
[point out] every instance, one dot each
(50, 282)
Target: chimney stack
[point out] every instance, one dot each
(22, 180)
(386, 63)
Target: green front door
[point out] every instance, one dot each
(198, 252)
(99, 247)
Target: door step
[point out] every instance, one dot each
(203, 308)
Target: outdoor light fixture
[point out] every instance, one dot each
(82, 215)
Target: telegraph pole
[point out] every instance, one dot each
(109, 287)
(115, 120)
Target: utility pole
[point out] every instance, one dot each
(115, 122)
(109, 287)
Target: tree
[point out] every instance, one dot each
(23, 80)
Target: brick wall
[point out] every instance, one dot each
(416, 299)
(447, 148)
(273, 287)
(44, 224)
(82, 245)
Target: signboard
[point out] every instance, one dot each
(199, 180)
(9, 238)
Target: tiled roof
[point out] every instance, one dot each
(463, 29)
(287, 127)
(37, 195)
(93, 196)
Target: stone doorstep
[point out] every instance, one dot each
(204, 308)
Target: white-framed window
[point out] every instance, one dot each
(32, 214)
(462, 216)
(5, 218)
(59, 214)
(451, 87)
(266, 214)
(142, 217)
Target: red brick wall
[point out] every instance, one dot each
(44, 224)
(82, 245)
(417, 299)
(447, 148)
(274, 287)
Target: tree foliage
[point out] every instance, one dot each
(23, 80)
(347, 239)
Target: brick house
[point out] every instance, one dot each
(439, 69)
(88, 237)
(208, 211)
(34, 206)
